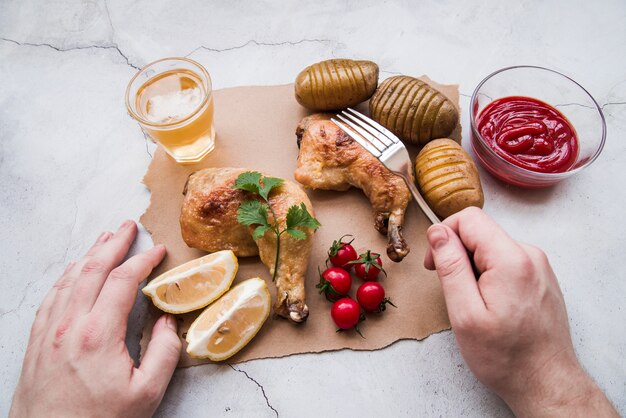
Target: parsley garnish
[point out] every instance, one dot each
(254, 212)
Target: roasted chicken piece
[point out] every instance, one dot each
(329, 159)
(208, 221)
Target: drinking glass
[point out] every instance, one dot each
(172, 100)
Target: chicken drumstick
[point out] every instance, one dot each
(329, 159)
(208, 221)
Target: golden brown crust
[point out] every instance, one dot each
(208, 221)
(336, 84)
(208, 218)
(448, 178)
(330, 160)
(413, 110)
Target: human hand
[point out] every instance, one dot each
(511, 325)
(76, 362)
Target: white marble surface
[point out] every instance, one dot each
(71, 163)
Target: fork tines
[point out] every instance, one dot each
(371, 135)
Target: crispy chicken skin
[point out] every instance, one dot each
(329, 159)
(208, 221)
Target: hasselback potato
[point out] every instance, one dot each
(413, 110)
(336, 84)
(447, 177)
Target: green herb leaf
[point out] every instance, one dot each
(260, 231)
(250, 181)
(296, 233)
(300, 216)
(268, 184)
(252, 212)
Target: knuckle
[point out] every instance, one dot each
(525, 263)
(44, 309)
(91, 336)
(150, 392)
(40, 315)
(150, 258)
(450, 267)
(60, 333)
(521, 261)
(94, 266)
(539, 255)
(63, 283)
(121, 273)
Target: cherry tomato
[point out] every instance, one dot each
(346, 313)
(368, 266)
(342, 253)
(371, 297)
(335, 283)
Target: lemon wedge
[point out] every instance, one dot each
(193, 285)
(229, 324)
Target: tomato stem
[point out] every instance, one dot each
(337, 245)
(383, 305)
(326, 287)
(368, 259)
(358, 331)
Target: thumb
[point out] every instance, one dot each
(460, 288)
(162, 354)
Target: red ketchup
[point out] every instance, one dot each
(529, 133)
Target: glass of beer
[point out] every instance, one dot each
(172, 100)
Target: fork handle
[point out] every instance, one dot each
(432, 217)
(420, 201)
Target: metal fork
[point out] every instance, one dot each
(385, 146)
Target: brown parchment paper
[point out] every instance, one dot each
(256, 129)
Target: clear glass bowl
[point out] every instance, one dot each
(555, 89)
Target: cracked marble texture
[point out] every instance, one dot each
(71, 163)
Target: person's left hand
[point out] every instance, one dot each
(76, 362)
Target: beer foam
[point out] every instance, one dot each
(173, 106)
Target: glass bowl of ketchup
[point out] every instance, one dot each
(533, 127)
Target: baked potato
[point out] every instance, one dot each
(336, 84)
(413, 110)
(447, 177)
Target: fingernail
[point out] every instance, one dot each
(69, 266)
(104, 237)
(156, 249)
(170, 321)
(437, 236)
(125, 224)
